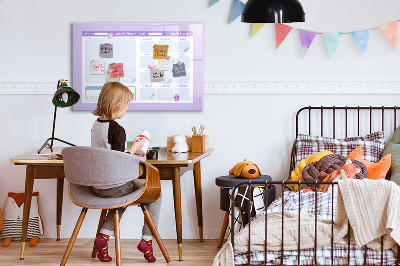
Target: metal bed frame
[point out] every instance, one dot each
(283, 184)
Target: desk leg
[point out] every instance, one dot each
(27, 206)
(199, 204)
(60, 190)
(176, 182)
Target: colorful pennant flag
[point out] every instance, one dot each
(306, 39)
(332, 41)
(213, 2)
(256, 27)
(237, 9)
(389, 30)
(361, 37)
(281, 31)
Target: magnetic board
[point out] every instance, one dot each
(161, 63)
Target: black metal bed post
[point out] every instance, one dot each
(266, 220)
(298, 239)
(249, 220)
(333, 192)
(283, 211)
(233, 218)
(315, 221)
(334, 120)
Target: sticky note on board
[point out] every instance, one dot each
(156, 75)
(106, 50)
(117, 70)
(97, 67)
(167, 64)
(179, 70)
(109, 79)
(160, 51)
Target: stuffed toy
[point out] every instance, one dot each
(13, 215)
(180, 144)
(375, 170)
(245, 169)
(296, 174)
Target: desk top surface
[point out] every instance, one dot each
(164, 157)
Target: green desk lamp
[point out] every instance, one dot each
(65, 96)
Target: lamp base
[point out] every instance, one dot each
(50, 146)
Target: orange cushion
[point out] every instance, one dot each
(375, 170)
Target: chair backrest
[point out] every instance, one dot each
(92, 166)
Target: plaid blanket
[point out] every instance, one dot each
(323, 205)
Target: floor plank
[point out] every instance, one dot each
(50, 252)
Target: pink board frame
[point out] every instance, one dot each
(194, 29)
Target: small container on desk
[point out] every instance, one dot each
(171, 143)
(200, 143)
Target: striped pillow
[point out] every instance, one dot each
(372, 145)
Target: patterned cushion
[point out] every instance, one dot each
(372, 144)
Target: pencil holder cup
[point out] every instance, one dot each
(200, 143)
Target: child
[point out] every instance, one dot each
(106, 133)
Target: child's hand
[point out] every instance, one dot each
(143, 155)
(137, 144)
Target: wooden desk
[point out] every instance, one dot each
(169, 165)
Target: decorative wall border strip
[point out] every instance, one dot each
(251, 87)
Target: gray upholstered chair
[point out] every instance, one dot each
(85, 167)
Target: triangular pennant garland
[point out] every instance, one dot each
(213, 2)
(389, 30)
(361, 38)
(237, 9)
(306, 39)
(332, 41)
(281, 31)
(256, 28)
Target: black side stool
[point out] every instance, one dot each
(226, 183)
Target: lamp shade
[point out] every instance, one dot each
(65, 96)
(273, 11)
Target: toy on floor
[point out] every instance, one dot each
(13, 215)
(245, 169)
(180, 144)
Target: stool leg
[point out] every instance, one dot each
(101, 222)
(223, 229)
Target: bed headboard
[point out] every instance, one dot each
(344, 121)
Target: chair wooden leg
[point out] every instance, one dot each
(73, 237)
(223, 229)
(101, 222)
(154, 230)
(117, 238)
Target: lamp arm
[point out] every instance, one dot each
(54, 126)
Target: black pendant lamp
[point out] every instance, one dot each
(273, 11)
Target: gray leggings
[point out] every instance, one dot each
(154, 208)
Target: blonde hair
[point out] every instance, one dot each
(113, 97)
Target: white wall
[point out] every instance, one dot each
(36, 47)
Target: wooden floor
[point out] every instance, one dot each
(50, 252)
